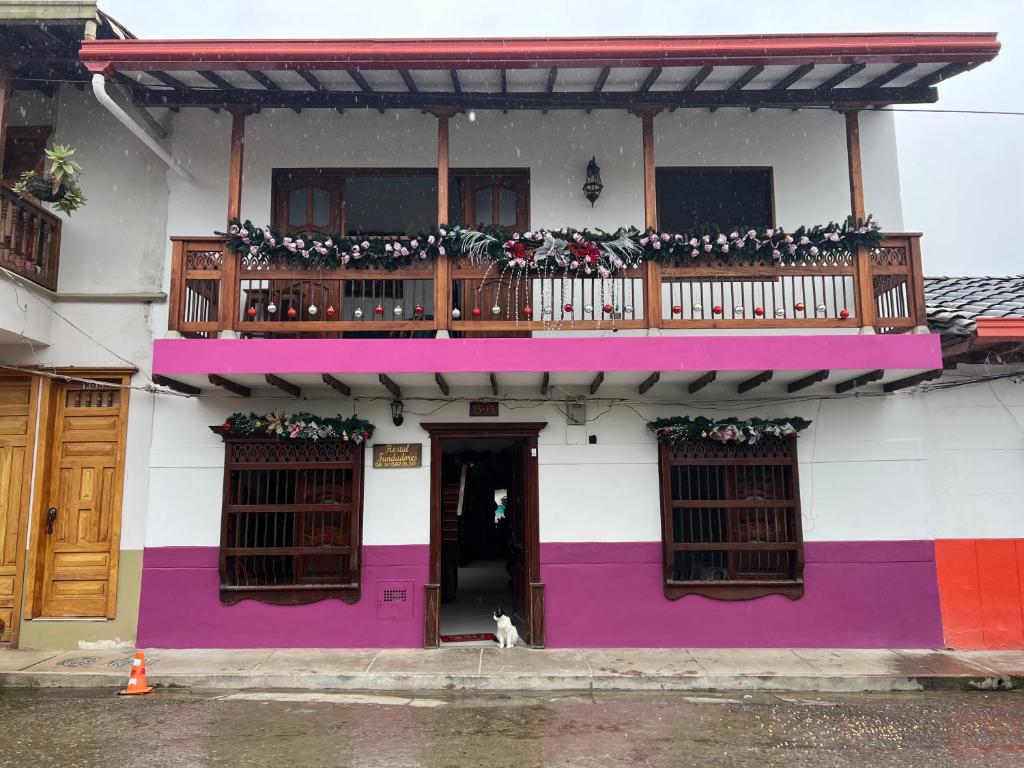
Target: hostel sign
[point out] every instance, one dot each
(397, 455)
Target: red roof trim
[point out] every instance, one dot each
(491, 53)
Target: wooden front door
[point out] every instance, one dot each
(17, 431)
(80, 520)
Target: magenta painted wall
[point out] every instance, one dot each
(858, 595)
(180, 606)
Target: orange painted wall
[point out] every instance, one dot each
(981, 591)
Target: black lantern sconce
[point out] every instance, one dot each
(397, 406)
(592, 186)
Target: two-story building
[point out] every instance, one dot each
(621, 335)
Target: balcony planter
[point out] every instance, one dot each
(59, 185)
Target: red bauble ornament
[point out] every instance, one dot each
(758, 311)
(251, 311)
(226, 426)
(292, 314)
(366, 435)
(378, 310)
(844, 314)
(677, 310)
(331, 311)
(527, 311)
(568, 307)
(418, 309)
(798, 307)
(717, 310)
(608, 309)
(476, 311)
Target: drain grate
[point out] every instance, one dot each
(77, 661)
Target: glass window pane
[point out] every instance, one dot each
(321, 207)
(482, 203)
(507, 207)
(297, 207)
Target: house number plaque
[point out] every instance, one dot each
(397, 455)
(483, 408)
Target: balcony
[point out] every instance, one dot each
(214, 290)
(29, 239)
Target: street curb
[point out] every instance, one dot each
(550, 683)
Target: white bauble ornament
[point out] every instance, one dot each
(397, 311)
(456, 314)
(738, 309)
(589, 309)
(271, 308)
(628, 309)
(358, 313)
(780, 312)
(821, 308)
(698, 308)
(312, 310)
(495, 310)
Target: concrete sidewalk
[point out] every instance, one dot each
(526, 669)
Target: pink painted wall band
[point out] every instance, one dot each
(663, 353)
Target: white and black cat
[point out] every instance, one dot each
(506, 632)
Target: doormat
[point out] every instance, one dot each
(470, 638)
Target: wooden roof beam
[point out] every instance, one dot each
(650, 381)
(212, 77)
(755, 381)
(596, 383)
(456, 85)
(390, 386)
(410, 83)
(738, 84)
(442, 384)
(494, 384)
(310, 78)
(890, 75)
(797, 74)
(943, 73)
(910, 381)
(807, 381)
(652, 76)
(602, 78)
(231, 386)
(285, 386)
(839, 77)
(177, 386)
(338, 386)
(166, 79)
(358, 79)
(858, 381)
(545, 384)
(695, 81)
(698, 384)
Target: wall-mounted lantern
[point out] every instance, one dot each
(592, 186)
(397, 406)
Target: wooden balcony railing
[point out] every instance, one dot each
(213, 290)
(29, 239)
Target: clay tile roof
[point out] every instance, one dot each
(954, 303)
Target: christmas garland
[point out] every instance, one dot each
(299, 426)
(682, 428)
(571, 252)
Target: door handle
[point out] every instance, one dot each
(51, 517)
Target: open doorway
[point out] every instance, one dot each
(484, 542)
(481, 536)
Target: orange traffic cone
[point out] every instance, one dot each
(137, 678)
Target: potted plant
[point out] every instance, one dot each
(59, 185)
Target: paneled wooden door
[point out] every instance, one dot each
(17, 433)
(80, 514)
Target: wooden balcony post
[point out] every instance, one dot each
(862, 259)
(229, 271)
(652, 272)
(442, 268)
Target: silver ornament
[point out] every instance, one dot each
(358, 313)
(589, 309)
(738, 309)
(821, 308)
(271, 308)
(780, 312)
(312, 310)
(495, 310)
(397, 311)
(456, 314)
(628, 309)
(698, 308)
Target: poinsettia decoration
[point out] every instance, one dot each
(568, 252)
(682, 428)
(298, 426)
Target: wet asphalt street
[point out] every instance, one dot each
(90, 729)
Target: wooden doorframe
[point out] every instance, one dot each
(42, 491)
(527, 431)
(21, 542)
